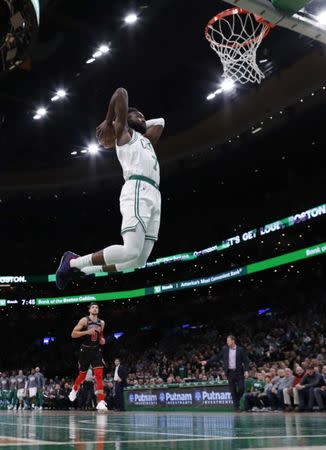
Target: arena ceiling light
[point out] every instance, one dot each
(321, 17)
(40, 112)
(93, 148)
(104, 49)
(214, 94)
(131, 18)
(97, 54)
(227, 85)
(61, 93)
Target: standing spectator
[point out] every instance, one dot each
(4, 386)
(320, 392)
(32, 388)
(12, 391)
(236, 365)
(21, 388)
(40, 387)
(293, 393)
(120, 381)
(306, 387)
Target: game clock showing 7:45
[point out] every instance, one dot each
(30, 302)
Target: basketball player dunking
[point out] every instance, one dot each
(140, 199)
(90, 330)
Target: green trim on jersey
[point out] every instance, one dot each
(133, 139)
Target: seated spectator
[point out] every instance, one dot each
(61, 397)
(291, 393)
(250, 398)
(108, 392)
(306, 387)
(320, 392)
(275, 396)
(263, 401)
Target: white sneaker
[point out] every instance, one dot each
(101, 406)
(40, 408)
(72, 395)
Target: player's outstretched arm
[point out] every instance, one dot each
(77, 331)
(154, 130)
(120, 104)
(115, 125)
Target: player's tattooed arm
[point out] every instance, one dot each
(102, 338)
(77, 331)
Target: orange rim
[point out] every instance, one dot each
(231, 12)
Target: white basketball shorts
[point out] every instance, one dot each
(140, 202)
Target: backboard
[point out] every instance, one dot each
(301, 22)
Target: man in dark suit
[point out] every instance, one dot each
(235, 365)
(120, 381)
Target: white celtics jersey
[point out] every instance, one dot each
(138, 157)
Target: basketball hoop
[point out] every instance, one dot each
(235, 35)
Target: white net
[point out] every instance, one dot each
(236, 38)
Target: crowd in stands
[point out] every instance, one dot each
(287, 356)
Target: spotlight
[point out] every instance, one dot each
(97, 54)
(213, 94)
(228, 85)
(40, 112)
(73, 153)
(131, 18)
(61, 93)
(104, 49)
(321, 17)
(93, 148)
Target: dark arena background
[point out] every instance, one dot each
(242, 241)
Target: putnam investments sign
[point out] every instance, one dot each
(196, 396)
